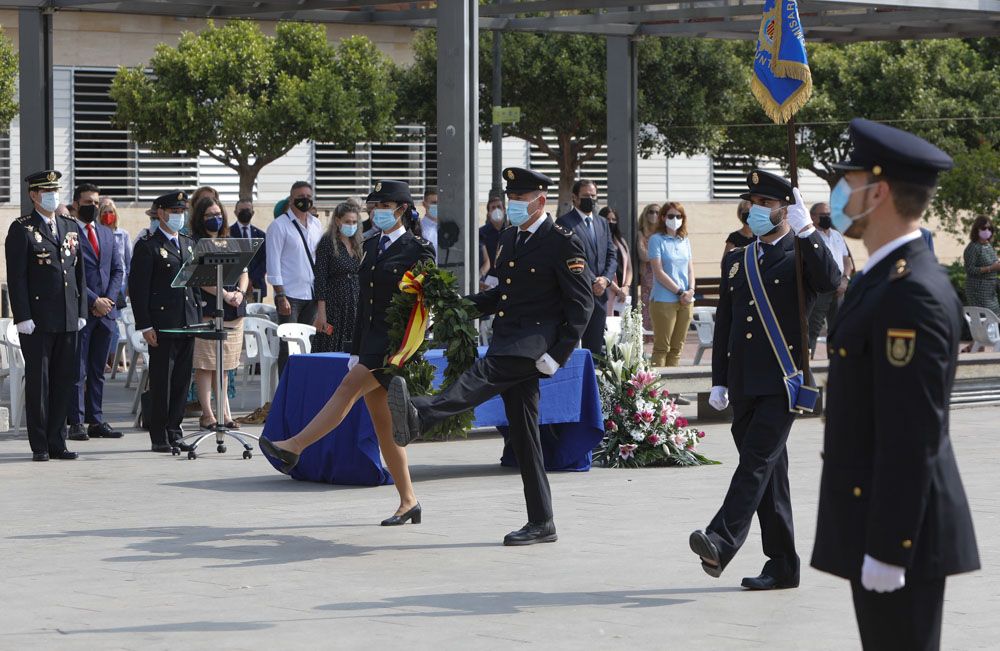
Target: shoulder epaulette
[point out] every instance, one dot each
(421, 240)
(147, 236)
(565, 232)
(899, 270)
(24, 219)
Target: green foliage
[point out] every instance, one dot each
(246, 98)
(972, 188)
(956, 274)
(8, 83)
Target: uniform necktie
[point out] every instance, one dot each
(383, 244)
(92, 236)
(522, 237)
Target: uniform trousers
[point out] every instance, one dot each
(515, 380)
(169, 378)
(593, 336)
(908, 619)
(51, 366)
(760, 484)
(95, 343)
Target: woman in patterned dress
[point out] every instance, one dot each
(981, 267)
(338, 257)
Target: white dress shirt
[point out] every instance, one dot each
(429, 231)
(288, 264)
(835, 243)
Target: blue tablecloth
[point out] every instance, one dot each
(569, 411)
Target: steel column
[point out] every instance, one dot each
(35, 94)
(623, 119)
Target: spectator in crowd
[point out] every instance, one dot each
(109, 218)
(62, 210)
(672, 299)
(209, 220)
(649, 221)
(825, 308)
(622, 281)
(102, 268)
(743, 236)
(928, 238)
(489, 239)
(338, 257)
(429, 222)
(291, 253)
(981, 267)
(154, 223)
(258, 266)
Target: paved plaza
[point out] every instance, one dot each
(126, 549)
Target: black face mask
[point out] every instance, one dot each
(302, 204)
(825, 222)
(244, 216)
(587, 204)
(614, 228)
(87, 214)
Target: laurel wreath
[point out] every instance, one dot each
(451, 328)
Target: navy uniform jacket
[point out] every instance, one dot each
(45, 276)
(105, 274)
(257, 269)
(600, 252)
(890, 485)
(742, 357)
(544, 299)
(155, 304)
(379, 282)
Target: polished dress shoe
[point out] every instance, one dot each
(413, 515)
(64, 455)
(40, 456)
(768, 582)
(103, 431)
(77, 433)
(702, 545)
(405, 419)
(287, 458)
(531, 533)
(161, 447)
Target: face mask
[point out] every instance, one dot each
(49, 201)
(244, 216)
(673, 223)
(517, 211)
(302, 204)
(760, 220)
(383, 218)
(432, 210)
(348, 230)
(213, 224)
(587, 205)
(825, 222)
(613, 226)
(87, 214)
(985, 234)
(496, 215)
(839, 197)
(108, 218)
(175, 221)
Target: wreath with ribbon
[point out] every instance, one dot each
(427, 290)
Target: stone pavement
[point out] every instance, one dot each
(126, 549)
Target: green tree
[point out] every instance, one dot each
(245, 99)
(8, 83)
(972, 188)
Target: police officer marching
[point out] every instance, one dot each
(542, 305)
(893, 515)
(48, 298)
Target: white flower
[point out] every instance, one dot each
(637, 434)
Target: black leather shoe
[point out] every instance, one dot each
(531, 533)
(77, 433)
(40, 456)
(103, 431)
(702, 545)
(161, 447)
(767, 582)
(65, 455)
(414, 515)
(405, 420)
(288, 459)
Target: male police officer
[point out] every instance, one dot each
(745, 365)
(541, 305)
(48, 297)
(893, 517)
(158, 306)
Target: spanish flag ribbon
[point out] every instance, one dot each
(416, 327)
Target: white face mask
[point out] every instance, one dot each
(673, 223)
(496, 215)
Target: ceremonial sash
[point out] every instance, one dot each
(801, 397)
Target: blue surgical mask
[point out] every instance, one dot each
(432, 210)
(175, 221)
(759, 220)
(383, 218)
(839, 197)
(49, 201)
(213, 224)
(348, 230)
(517, 211)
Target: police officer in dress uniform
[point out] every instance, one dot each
(157, 306)
(48, 298)
(746, 371)
(542, 305)
(893, 516)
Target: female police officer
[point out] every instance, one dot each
(387, 254)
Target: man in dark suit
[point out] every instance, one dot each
(102, 264)
(158, 307)
(257, 270)
(893, 516)
(48, 298)
(599, 251)
(541, 307)
(745, 367)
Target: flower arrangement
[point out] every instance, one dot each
(642, 424)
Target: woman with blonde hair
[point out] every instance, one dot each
(649, 221)
(672, 299)
(338, 257)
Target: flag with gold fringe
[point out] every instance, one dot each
(781, 79)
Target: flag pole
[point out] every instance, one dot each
(793, 173)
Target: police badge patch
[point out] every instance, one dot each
(735, 269)
(900, 346)
(576, 265)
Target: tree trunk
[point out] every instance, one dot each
(568, 166)
(248, 175)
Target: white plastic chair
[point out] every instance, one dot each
(12, 343)
(140, 350)
(985, 328)
(121, 349)
(703, 320)
(297, 336)
(4, 353)
(263, 310)
(249, 357)
(264, 333)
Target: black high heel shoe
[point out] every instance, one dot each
(413, 515)
(287, 458)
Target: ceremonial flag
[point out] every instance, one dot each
(781, 79)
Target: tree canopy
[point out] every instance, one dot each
(8, 83)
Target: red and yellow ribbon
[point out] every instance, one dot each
(416, 327)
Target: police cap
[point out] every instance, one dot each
(395, 191)
(893, 153)
(765, 184)
(175, 199)
(44, 180)
(521, 180)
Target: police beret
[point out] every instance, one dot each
(44, 180)
(280, 208)
(175, 199)
(519, 180)
(395, 191)
(765, 184)
(894, 153)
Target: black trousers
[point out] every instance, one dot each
(515, 379)
(95, 344)
(593, 336)
(303, 311)
(908, 619)
(760, 484)
(169, 379)
(51, 367)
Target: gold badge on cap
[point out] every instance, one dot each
(735, 269)
(510, 174)
(180, 196)
(754, 178)
(900, 346)
(378, 187)
(876, 170)
(51, 176)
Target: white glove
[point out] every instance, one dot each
(81, 323)
(719, 398)
(797, 215)
(352, 362)
(881, 577)
(26, 327)
(546, 365)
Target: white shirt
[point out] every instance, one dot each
(287, 262)
(882, 252)
(429, 231)
(835, 243)
(393, 236)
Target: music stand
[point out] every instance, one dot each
(215, 262)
